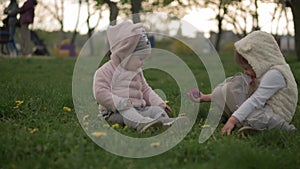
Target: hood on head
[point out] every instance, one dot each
(261, 51)
(123, 39)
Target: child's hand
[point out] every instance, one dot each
(196, 96)
(166, 107)
(232, 121)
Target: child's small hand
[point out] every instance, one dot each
(168, 109)
(228, 127)
(195, 92)
(195, 95)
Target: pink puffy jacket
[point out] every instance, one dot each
(113, 86)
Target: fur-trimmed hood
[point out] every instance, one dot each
(261, 51)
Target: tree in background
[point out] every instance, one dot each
(56, 12)
(75, 32)
(93, 10)
(295, 6)
(221, 9)
(243, 16)
(174, 8)
(135, 10)
(113, 9)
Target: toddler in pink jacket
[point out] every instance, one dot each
(119, 86)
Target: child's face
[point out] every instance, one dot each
(135, 62)
(248, 70)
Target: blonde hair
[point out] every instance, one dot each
(241, 61)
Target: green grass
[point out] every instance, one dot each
(40, 134)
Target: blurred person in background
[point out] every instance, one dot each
(26, 18)
(11, 21)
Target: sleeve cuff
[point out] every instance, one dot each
(240, 118)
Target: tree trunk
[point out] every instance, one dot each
(114, 11)
(63, 35)
(220, 17)
(255, 17)
(77, 22)
(296, 17)
(135, 9)
(219, 35)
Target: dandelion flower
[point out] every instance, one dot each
(34, 130)
(67, 109)
(167, 101)
(115, 126)
(205, 126)
(155, 144)
(181, 114)
(85, 117)
(19, 102)
(98, 134)
(105, 126)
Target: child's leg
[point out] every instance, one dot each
(110, 116)
(116, 118)
(266, 119)
(159, 113)
(153, 112)
(133, 119)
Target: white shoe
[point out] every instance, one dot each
(246, 129)
(168, 121)
(171, 121)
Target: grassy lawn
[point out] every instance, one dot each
(37, 132)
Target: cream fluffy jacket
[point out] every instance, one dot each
(113, 85)
(262, 52)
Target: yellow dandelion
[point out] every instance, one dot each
(19, 102)
(181, 114)
(155, 144)
(115, 126)
(67, 109)
(85, 117)
(167, 101)
(105, 126)
(98, 134)
(205, 126)
(34, 130)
